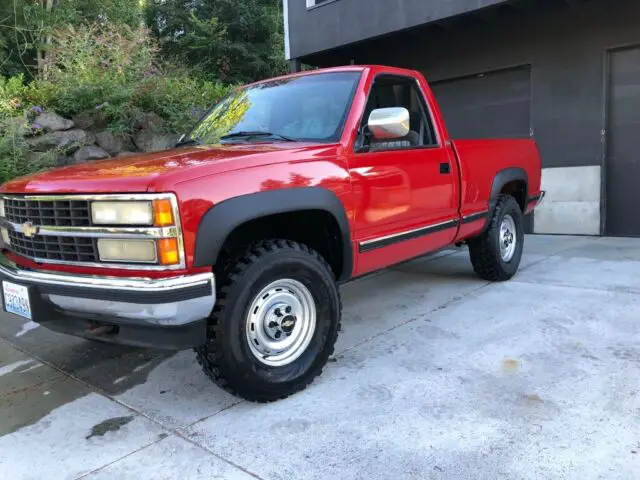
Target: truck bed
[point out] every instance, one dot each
(480, 161)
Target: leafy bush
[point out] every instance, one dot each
(116, 70)
(178, 98)
(15, 157)
(113, 69)
(11, 96)
(94, 64)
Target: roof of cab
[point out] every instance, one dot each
(345, 68)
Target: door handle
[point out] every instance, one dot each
(445, 168)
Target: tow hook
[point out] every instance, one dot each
(97, 329)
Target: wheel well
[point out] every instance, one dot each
(317, 229)
(518, 190)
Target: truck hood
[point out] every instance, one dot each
(157, 171)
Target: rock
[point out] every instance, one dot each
(114, 143)
(149, 141)
(90, 138)
(68, 140)
(125, 154)
(149, 121)
(63, 160)
(52, 122)
(91, 120)
(86, 154)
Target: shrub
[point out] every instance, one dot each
(15, 157)
(116, 70)
(100, 69)
(178, 98)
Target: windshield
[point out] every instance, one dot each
(306, 108)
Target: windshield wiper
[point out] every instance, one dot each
(257, 134)
(188, 141)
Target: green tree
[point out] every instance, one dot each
(27, 26)
(234, 41)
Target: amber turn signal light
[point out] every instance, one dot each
(163, 213)
(168, 252)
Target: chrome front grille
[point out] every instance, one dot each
(50, 213)
(59, 249)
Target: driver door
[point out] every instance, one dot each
(405, 190)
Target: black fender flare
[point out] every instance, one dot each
(223, 218)
(501, 179)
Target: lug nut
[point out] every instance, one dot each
(273, 324)
(288, 310)
(278, 334)
(278, 312)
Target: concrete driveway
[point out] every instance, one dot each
(437, 375)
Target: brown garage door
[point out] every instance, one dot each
(623, 144)
(490, 105)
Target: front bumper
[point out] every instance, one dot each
(166, 313)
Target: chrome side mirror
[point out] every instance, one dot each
(389, 123)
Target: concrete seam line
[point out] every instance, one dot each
(84, 475)
(99, 391)
(575, 287)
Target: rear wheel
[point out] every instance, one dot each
(275, 323)
(496, 254)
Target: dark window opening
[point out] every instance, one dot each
(393, 91)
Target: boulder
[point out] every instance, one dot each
(86, 154)
(63, 160)
(149, 141)
(149, 121)
(91, 120)
(114, 143)
(52, 122)
(68, 140)
(125, 154)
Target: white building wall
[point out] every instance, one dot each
(572, 201)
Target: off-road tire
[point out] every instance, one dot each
(484, 250)
(226, 357)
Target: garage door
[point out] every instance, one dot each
(489, 105)
(623, 144)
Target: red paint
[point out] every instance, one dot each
(383, 193)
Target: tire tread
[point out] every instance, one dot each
(482, 251)
(210, 357)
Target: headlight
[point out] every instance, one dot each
(142, 251)
(2, 214)
(158, 213)
(122, 213)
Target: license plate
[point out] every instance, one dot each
(16, 299)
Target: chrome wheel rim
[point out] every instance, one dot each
(281, 322)
(508, 238)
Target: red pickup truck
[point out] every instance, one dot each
(235, 242)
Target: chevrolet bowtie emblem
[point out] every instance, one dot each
(29, 229)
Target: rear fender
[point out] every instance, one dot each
(502, 178)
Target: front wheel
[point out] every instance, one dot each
(275, 322)
(496, 254)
